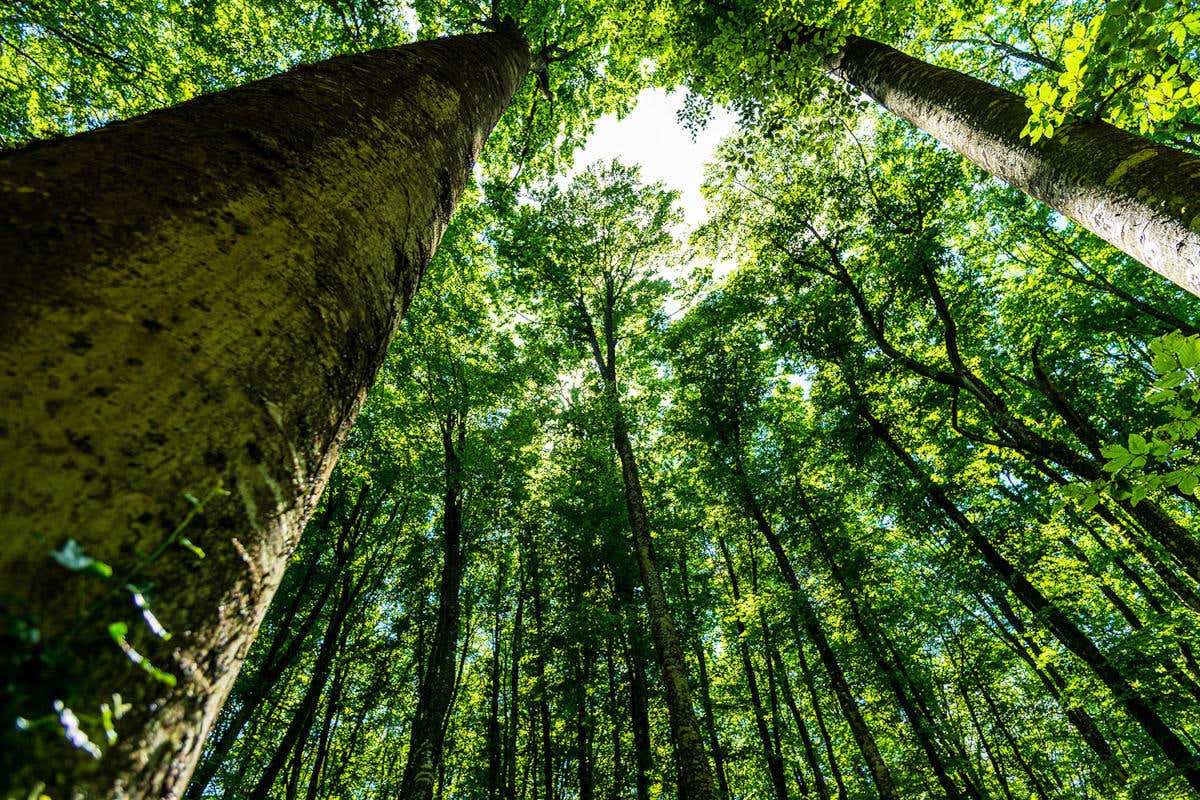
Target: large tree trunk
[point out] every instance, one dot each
(436, 697)
(1137, 195)
(196, 298)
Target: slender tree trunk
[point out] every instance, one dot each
(200, 297)
(494, 743)
(706, 702)
(301, 722)
(810, 752)
(774, 763)
(275, 662)
(814, 699)
(768, 646)
(1139, 196)
(278, 658)
(617, 785)
(921, 722)
(583, 724)
(1068, 634)
(1028, 650)
(880, 774)
(332, 704)
(695, 774)
(635, 659)
(513, 706)
(423, 766)
(543, 688)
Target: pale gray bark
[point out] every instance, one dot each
(1139, 196)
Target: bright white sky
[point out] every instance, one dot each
(652, 137)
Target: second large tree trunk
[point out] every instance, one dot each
(1137, 195)
(197, 298)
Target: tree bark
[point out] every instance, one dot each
(200, 297)
(706, 702)
(880, 774)
(695, 771)
(427, 739)
(1139, 196)
(695, 775)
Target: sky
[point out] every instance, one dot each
(652, 137)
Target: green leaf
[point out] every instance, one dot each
(72, 556)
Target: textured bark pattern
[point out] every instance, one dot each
(202, 295)
(695, 772)
(1139, 196)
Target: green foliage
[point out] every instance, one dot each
(1133, 65)
(1164, 458)
(53, 658)
(1005, 352)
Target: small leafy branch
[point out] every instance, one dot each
(1165, 457)
(1129, 65)
(72, 556)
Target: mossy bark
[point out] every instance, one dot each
(194, 298)
(1139, 196)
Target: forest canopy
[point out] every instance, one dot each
(360, 441)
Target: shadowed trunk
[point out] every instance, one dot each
(220, 330)
(770, 754)
(695, 771)
(436, 697)
(1124, 691)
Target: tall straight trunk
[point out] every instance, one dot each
(695, 773)
(583, 725)
(200, 297)
(814, 699)
(1029, 651)
(810, 752)
(922, 723)
(1073, 638)
(639, 714)
(635, 659)
(277, 659)
(965, 670)
(301, 723)
(1137, 195)
(880, 774)
(332, 706)
(772, 684)
(774, 762)
(426, 741)
(494, 746)
(513, 705)
(706, 702)
(997, 765)
(616, 786)
(543, 688)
